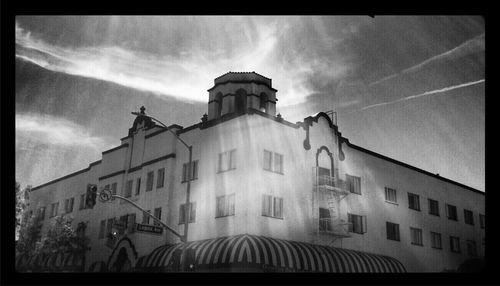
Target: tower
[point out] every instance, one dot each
(236, 92)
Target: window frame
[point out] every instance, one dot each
(436, 235)
(229, 208)
(351, 218)
(429, 205)
(192, 213)
(457, 239)
(482, 221)
(419, 235)
(128, 188)
(231, 161)
(351, 185)
(474, 252)
(466, 218)
(150, 177)
(160, 180)
(410, 206)
(157, 215)
(448, 215)
(102, 229)
(138, 186)
(387, 198)
(194, 171)
(396, 231)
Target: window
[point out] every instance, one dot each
(138, 186)
(390, 195)
(68, 205)
(433, 207)
(471, 248)
(353, 184)
(53, 209)
(225, 206)
(194, 171)
(468, 217)
(41, 213)
(157, 214)
(436, 240)
(273, 163)
(416, 236)
(131, 223)
(111, 221)
(102, 228)
(413, 202)
(128, 189)
(146, 217)
(357, 223)
(106, 187)
(454, 244)
(113, 188)
(272, 206)
(227, 161)
(82, 201)
(123, 224)
(392, 231)
(149, 181)
(192, 213)
(160, 178)
(325, 220)
(451, 212)
(482, 221)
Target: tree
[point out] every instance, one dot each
(22, 198)
(29, 235)
(62, 237)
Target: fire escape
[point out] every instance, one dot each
(328, 192)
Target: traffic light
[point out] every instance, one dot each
(91, 197)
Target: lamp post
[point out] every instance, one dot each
(187, 206)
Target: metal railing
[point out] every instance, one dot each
(334, 226)
(330, 181)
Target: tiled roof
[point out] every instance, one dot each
(242, 76)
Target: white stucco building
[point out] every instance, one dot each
(267, 194)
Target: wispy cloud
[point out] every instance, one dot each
(186, 77)
(55, 131)
(471, 46)
(426, 93)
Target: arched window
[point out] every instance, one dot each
(240, 101)
(263, 102)
(218, 106)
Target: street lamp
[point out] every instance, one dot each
(187, 206)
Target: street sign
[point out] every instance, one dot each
(147, 228)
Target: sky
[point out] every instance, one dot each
(408, 87)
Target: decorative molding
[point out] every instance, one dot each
(116, 148)
(111, 175)
(133, 169)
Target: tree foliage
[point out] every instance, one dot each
(62, 237)
(30, 235)
(22, 198)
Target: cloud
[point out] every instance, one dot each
(54, 131)
(186, 76)
(471, 46)
(426, 93)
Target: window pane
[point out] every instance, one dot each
(232, 163)
(220, 206)
(138, 187)
(278, 206)
(192, 212)
(149, 182)
(128, 190)
(390, 195)
(157, 214)
(392, 231)
(231, 205)
(267, 160)
(266, 205)
(278, 163)
(436, 240)
(468, 217)
(145, 217)
(113, 188)
(161, 178)
(131, 223)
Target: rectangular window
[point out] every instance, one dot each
(353, 184)
(128, 189)
(454, 244)
(82, 201)
(482, 221)
(471, 248)
(451, 212)
(138, 186)
(273, 162)
(145, 217)
(272, 206)
(433, 207)
(106, 187)
(225, 206)
(131, 223)
(149, 181)
(227, 161)
(68, 205)
(111, 221)
(357, 223)
(436, 240)
(113, 188)
(416, 236)
(123, 224)
(102, 228)
(41, 213)
(390, 195)
(413, 202)
(157, 214)
(160, 178)
(392, 231)
(192, 213)
(325, 220)
(194, 171)
(268, 160)
(54, 209)
(468, 217)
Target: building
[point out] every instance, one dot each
(266, 195)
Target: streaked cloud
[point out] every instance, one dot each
(426, 93)
(188, 76)
(474, 45)
(52, 131)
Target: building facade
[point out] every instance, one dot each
(260, 180)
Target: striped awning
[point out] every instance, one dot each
(267, 254)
